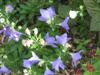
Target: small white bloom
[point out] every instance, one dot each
(19, 27)
(25, 71)
(49, 20)
(81, 7)
(13, 24)
(67, 45)
(73, 14)
(41, 62)
(35, 31)
(27, 43)
(5, 56)
(42, 42)
(27, 31)
(2, 20)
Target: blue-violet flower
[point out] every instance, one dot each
(58, 64)
(64, 24)
(63, 39)
(50, 40)
(47, 15)
(5, 70)
(75, 57)
(9, 8)
(48, 72)
(27, 63)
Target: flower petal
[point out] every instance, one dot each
(65, 24)
(58, 64)
(48, 72)
(51, 12)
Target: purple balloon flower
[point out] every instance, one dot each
(48, 72)
(58, 64)
(47, 14)
(14, 35)
(11, 34)
(4, 70)
(75, 57)
(50, 40)
(6, 31)
(29, 62)
(9, 8)
(63, 39)
(64, 24)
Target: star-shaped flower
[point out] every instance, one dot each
(58, 64)
(76, 57)
(10, 34)
(50, 40)
(63, 39)
(27, 63)
(48, 72)
(33, 60)
(47, 15)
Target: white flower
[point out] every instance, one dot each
(35, 31)
(73, 14)
(19, 27)
(42, 42)
(67, 45)
(81, 7)
(27, 43)
(49, 20)
(2, 20)
(25, 71)
(5, 56)
(41, 63)
(27, 31)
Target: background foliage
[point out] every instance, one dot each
(25, 15)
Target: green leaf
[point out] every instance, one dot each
(98, 52)
(98, 1)
(86, 73)
(95, 73)
(94, 11)
(63, 11)
(97, 66)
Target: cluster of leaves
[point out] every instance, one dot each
(25, 16)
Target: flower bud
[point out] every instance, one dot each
(9, 8)
(27, 31)
(35, 31)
